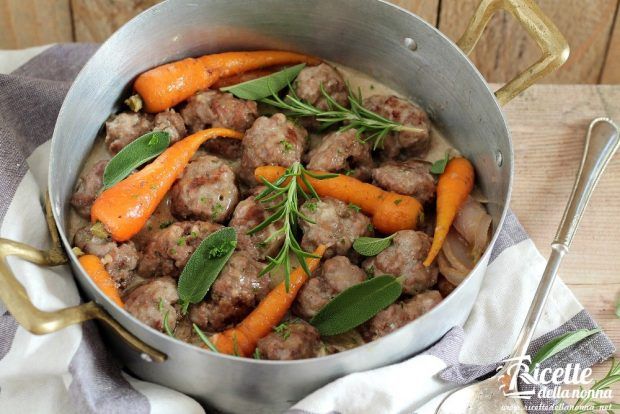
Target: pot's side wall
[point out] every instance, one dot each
(368, 35)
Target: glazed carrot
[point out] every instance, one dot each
(95, 269)
(125, 207)
(242, 339)
(167, 85)
(390, 211)
(453, 187)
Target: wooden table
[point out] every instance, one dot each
(548, 124)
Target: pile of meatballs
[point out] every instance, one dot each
(218, 189)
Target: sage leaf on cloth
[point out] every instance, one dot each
(356, 305)
(560, 343)
(141, 150)
(372, 246)
(205, 264)
(265, 86)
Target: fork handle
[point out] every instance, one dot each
(602, 141)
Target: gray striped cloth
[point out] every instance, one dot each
(71, 371)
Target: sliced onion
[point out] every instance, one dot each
(458, 252)
(453, 275)
(474, 224)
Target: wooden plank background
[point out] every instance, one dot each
(591, 27)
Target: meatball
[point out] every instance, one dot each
(234, 294)
(404, 258)
(290, 341)
(206, 190)
(342, 151)
(406, 143)
(119, 259)
(310, 79)
(168, 250)
(249, 214)
(217, 109)
(125, 127)
(152, 301)
(336, 275)
(171, 122)
(271, 141)
(336, 225)
(410, 178)
(224, 147)
(88, 186)
(399, 314)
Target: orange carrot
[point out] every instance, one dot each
(453, 187)
(95, 269)
(125, 207)
(390, 211)
(242, 339)
(167, 85)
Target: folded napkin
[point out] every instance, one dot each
(72, 372)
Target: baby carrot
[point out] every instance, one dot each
(167, 85)
(95, 269)
(453, 187)
(125, 207)
(242, 339)
(390, 211)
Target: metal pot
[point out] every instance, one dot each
(373, 36)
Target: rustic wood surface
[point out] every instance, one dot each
(548, 124)
(504, 50)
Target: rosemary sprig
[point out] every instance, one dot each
(363, 120)
(286, 192)
(612, 377)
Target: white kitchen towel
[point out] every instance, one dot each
(71, 371)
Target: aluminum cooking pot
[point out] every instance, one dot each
(386, 42)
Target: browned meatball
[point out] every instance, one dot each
(399, 314)
(249, 214)
(290, 341)
(404, 258)
(410, 178)
(336, 225)
(124, 128)
(168, 250)
(119, 259)
(224, 147)
(151, 302)
(171, 122)
(87, 188)
(336, 275)
(271, 141)
(309, 81)
(342, 152)
(234, 294)
(206, 190)
(406, 143)
(217, 109)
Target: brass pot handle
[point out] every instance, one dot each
(552, 43)
(17, 302)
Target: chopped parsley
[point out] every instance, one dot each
(165, 224)
(398, 201)
(181, 241)
(287, 146)
(283, 330)
(311, 206)
(355, 207)
(216, 210)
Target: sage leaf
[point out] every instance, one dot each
(372, 246)
(141, 150)
(205, 264)
(265, 86)
(560, 343)
(439, 166)
(356, 305)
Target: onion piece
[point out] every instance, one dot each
(458, 252)
(474, 224)
(453, 275)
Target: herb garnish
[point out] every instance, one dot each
(357, 304)
(257, 354)
(439, 166)
(165, 224)
(354, 207)
(204, 338)
(160, 307)
(283, 330)
(203, 267)
(612, 377)
(286, 190)
(265, 86)
(372, 246)
(141, 150)
(560, 343)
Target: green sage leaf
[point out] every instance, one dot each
(560, 343)
(138, 152)
(372, 246)
(356, 305)
(205, 264)
(439, 166)
(265, 86)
